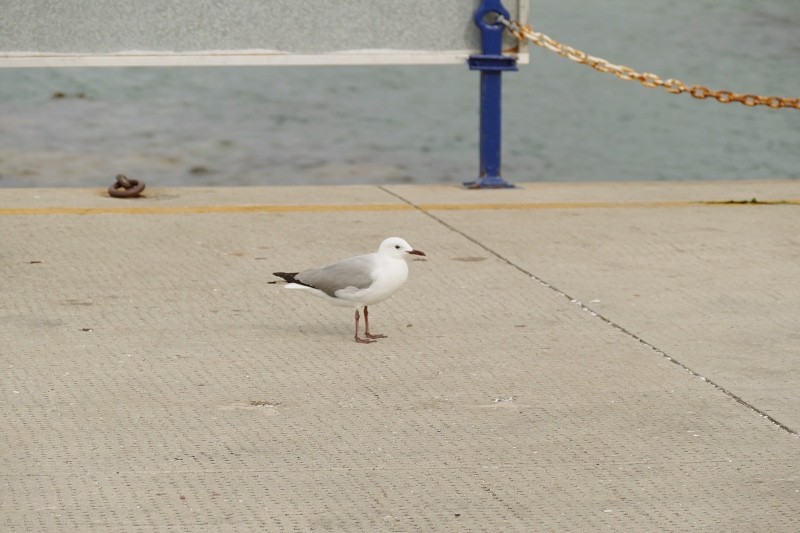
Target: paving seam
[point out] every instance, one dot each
(422, 209)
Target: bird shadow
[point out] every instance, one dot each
(317, 330)
(322, 330)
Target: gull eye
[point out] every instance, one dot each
(396, 246)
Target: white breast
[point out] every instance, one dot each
(389, 274)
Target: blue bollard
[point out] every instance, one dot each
(491, 63)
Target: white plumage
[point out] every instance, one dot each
(359, 281)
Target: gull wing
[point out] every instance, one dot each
(353, 272)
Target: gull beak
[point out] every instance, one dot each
(417, 252)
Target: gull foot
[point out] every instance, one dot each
(363, 341)
(374, 336)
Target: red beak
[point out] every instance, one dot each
(416, 252)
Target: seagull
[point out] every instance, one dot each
(359, 281)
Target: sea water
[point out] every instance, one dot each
(391, 124)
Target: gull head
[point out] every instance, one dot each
(397, 247)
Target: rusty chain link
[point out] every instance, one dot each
(524, 32)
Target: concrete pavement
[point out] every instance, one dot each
(571, 357)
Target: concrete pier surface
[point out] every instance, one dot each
(570, 357)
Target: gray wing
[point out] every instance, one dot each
(354, 272)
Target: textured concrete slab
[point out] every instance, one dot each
(600, 194)
(711, 284)
(153, 380)
(191, 200)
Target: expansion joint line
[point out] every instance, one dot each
(594, 313)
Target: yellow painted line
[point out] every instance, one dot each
(550, 205)
(200, 209)
(601, 205)
(333, 208)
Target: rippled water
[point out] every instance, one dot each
(333, 125)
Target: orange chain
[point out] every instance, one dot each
(647, 79)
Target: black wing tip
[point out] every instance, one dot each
(288, 276)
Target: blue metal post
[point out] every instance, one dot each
(491, 63)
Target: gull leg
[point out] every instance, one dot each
(359, 339)
(367, 334)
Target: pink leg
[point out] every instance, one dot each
(359, 339)
(367, 334)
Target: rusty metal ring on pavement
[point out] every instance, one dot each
(124, 187)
